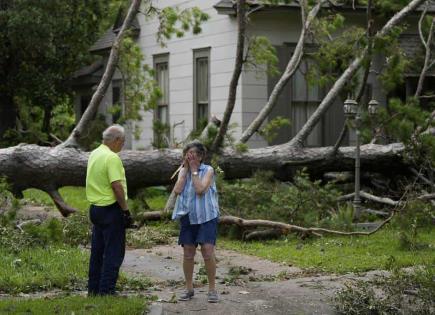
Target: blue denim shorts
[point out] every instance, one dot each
(194, 234)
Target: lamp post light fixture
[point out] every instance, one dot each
(352, 111)
(373, 107)
(350, 108)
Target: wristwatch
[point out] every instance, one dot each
(195, 173)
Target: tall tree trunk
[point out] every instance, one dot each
(291, 68)
(305, 131)
(241, 18)
(74, 138)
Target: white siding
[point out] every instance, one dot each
(220, 34)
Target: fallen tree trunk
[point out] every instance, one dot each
(33, 166)
(28, 166)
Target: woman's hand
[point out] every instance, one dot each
(186, 163)
(193, 161)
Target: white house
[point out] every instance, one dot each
(194, 73)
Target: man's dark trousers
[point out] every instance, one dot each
(107, 248)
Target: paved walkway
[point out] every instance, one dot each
(265, 288)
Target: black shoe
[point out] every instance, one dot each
(186, 296)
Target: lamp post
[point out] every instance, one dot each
(352, 111)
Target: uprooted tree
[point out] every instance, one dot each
(48, 169)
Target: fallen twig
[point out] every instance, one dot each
(371, 197)
(28, 222)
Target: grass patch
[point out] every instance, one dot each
(52, 267)
(341, 254)
(36, 269)
(75, 305)
(73, 196)
(156, 197)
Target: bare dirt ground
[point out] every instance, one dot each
(264, 288)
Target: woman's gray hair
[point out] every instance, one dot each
(112, 133)
(199, 147)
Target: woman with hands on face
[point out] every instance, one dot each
(197, 210)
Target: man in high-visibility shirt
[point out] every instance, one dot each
(106, 191)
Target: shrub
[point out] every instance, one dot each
(303, 202)
(76, 230)
(413, 217)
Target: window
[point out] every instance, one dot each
(162, 79)
(116, 101)
(201, 88)
(161, 114)
(305, 99)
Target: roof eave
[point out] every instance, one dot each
(228, 8)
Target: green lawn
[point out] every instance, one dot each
(341, 254)
(53, 267)
(76, 197)
(73, 196)
(35, 269)
(76, 305)
(329, 254)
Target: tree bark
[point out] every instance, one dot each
(292, 66)
(33, 166)
(241, 17)
(308, 127)
(74, 138)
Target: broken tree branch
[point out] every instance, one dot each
(365, 195)
(420, 176)
(28, 222)
(241, 18)
(427, 196)
(61, 205)
(288, 228)
(383, 200)
(277, 227)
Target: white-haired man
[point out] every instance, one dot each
(106, 191)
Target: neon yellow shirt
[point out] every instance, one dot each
(104, 168)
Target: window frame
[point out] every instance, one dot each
(120, 102)
(158, 60)
(200, 53)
